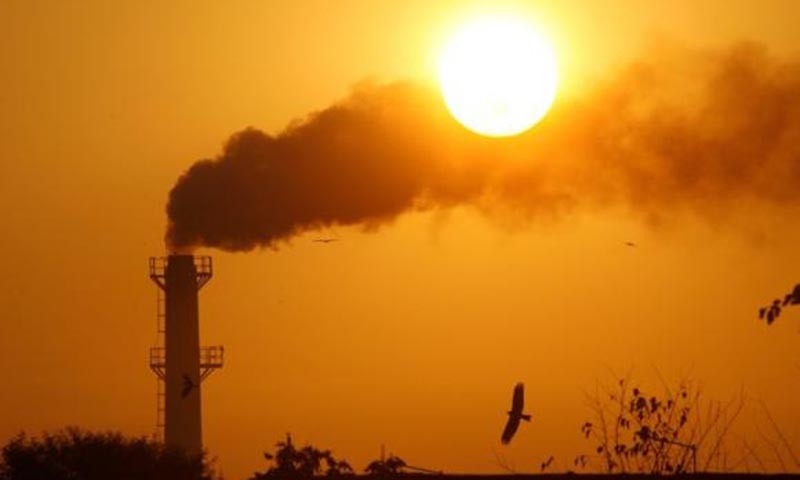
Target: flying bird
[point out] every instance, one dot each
(630, 244)
(325, 240)
(188, 385)
(546, 464)
(515, 415)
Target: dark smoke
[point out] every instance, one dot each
(677, 130)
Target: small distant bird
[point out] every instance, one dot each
(188, 385)
(515, 415)
(325, 240)
(630, 244)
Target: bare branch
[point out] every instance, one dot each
(777, 429)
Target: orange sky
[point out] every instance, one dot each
(411, 336)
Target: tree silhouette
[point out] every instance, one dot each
(290, 463)
(392, 465)
(76, 454)
(640, 433)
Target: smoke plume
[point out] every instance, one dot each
(676, 130)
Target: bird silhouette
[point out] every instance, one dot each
(630, 244)
(325, 240)
(515, 415)
(188, 385)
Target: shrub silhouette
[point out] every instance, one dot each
(392, 465)
(291, 463)
(639, 433)
(74, 454)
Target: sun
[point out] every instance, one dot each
(498, 76)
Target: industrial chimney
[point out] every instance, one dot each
(179, 362)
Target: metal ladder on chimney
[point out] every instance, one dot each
(161, 398)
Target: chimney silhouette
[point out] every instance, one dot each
(179, 362)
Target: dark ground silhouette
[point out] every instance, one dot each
(75, 454)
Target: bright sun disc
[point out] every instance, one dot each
(498, 76)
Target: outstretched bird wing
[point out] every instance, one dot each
(518, 402)
(511, 428)
(515, 415)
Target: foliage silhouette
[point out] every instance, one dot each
(771, 312)
(639, 433)
(291, 463)
(76, 454)
(392, 465)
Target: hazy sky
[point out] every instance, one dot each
(410, 336)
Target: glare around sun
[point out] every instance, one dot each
(498, 76)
